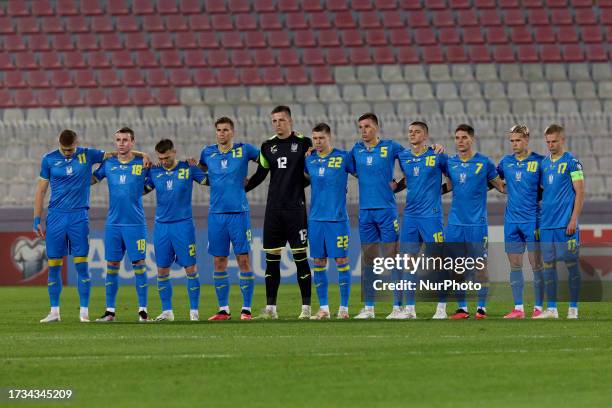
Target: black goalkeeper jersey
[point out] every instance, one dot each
(285, 160)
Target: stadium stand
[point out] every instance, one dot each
(168, 67)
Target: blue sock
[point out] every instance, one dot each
(222, 288)
(369, 294)
(413, 278)
(550, 283)
(112, 285)
(54, 281)
(442, 293)
(517, 282)
(193, 290)
(398, 295)
(483, 292)
(574, 283)
(142, 287)
(538, 287)
(84, 280)
(461, 299)
(247, 286)
(344, 281)
(321, 284)
(164, 286)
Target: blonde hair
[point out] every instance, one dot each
(520, 129)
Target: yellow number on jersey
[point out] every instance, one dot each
(141, 244)
(342, 241)
(237, 153)
(334, 162)
(192, 250)
(438, 237)
(478, 168)
(395, 225)
(82, 158)
(532, 166)
(137, 169)
(571, 245)
(183, 174)
(430, 161)
(562, 167)
(383, 151)
(249, 235)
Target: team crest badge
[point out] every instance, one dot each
(122, 179)
(168, 184)
(294, 147)
(462, 177)
(518, 175)
(415, 171)
(551, 178)
(224, 164)
(369, 161)
(68, 170)
(321, 171)
(274, 149)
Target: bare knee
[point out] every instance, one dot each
(163, 271)
(342, 261)
(243, 262)
(220, 263)
(320, 262)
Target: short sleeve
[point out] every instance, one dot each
(203, 157)
(500, 169)
(45, 170)
(397, 148)
(491, 170)
(100, 172)
(95, 155)
(198, 175)
(251, 151)
(444, 164)
(149, 184)
(349, 164)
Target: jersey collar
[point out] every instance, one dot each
(523, 158)
(176, 163)
(226, 151)
(468, 159)
(322, 156)
(557, 159)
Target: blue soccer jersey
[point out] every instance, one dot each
(125, 186)
(328, 178)
(69, 177)
(558, 190)
(374, 169)
(226, 174)
(522, 184)
(173, 190)
(470, 179)
(423, 182)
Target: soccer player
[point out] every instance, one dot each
(521, 172)
(422, 223)
(285, 220)
(562, 200)
(174, 236)
(328, 224)
(374, 160)
(125, 229)
(470, 174)
(68, 171)
(228, 216)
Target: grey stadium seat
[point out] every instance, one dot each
(352, 93)
(345, 75)
(399, 92)
(368, 74)
(486, 72)
(439, 73)
(391, 74)
(376, 92)
(446, 90)
(414, 73)
(532, 72)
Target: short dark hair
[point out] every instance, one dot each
(554, 128)
(465, 128)
(281, 109)
(127, 130)
(322, 127)
(164, 145)
(224, 119)
(67, 137)
(369, 115)
(421, 124)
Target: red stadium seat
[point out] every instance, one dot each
(288, 57)
(153, 23)
(190, 7)
(38, 79)
(109, 77)
(6, 26)
(127, 24)
(133, 78)
(432, 55)
(418, 19)
(14, 43)
(383, 55)
(167, 7)
(180, 77)
(278, 39)
(393, 19)
(204, 77)
(52, 25)
(596, 53)
(425, 36)
(14, 79)
(568, 35)
(480, 54)
(170, 59)
(527, 53)
(312, 5)
(157, 77)
(449, 35)
(290, 5)
(256, 39)
(484, 4)
(25, 61)
(102, 24)
(264, 58)
(167, 96)
(18, 9)
(551, 53)
(376, 37)
(573, 53)
(474, 35)
(361, 5)
(508, 4)
(195, 59)
(61, 79)
(319, 20)
(118, 7)
(297, 76)
(118, 97)
(591, 34)
(91, 8)
(521, 35)
(313, 56)
(231, 39)
(176, 23)
(215, 6)
(246, 22)
(135, 41)
(407, 55)
(111, 42)
(304, 39)
(360, 56)
(208, 40)
(467, 18)
(328, 38)
(27, 25)
(199, 22)
(270, 22)
(561, 17)
(586, 17)
(241, 58)
(273, 76)
(6, 64)
(514, 18)
(6, 99)
(47, 60)
(264, 6)
(186, 40)
(344, 20)
(161, 41)
(218, 58)
(146, 59)
(25, 98)
(42, 8)
(533, 3)
(122, 59)
(87, 42)
(228, 77)
(222, 22)
(337, 5)
(67, 8)
(84, 79)
(351, 38)
(538, 17)
(556, 3)
(369, 19)
(444, 19)
(385, 4)
(250, 76)
(60, 42)
(240, 6)
(503, 53)
(545, 35)
(72, 97)
(606, 16)
(98, 59)
(48, 98)
(336, 56)
(490, 18)
(39, 42)
(455, 54)
(76, 24)
(410, 4)
(74, 60)
(435, 4)
(582, 3)
(321, 75)
(140, 7)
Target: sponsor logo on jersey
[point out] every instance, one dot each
(58, 163)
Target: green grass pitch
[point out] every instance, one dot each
(291, 363)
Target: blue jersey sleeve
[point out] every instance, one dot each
(95, 155)
(45, 170)
(203, 157)
(100, 172)
(149, 185)
(491, 170)
(349, 164)
(575, 170)
(397, 148)
(443, 163)
(198, 175)
(500, 169)
(351, 161)
(252, 152)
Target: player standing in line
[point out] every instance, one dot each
(228, 215)
(374, 160)
(174, 235)
(562, 200)
(328, 224)
(422, 223)
(68, 171)
(521, 172)
(125, 228)
(285, 220)
(470, 174)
